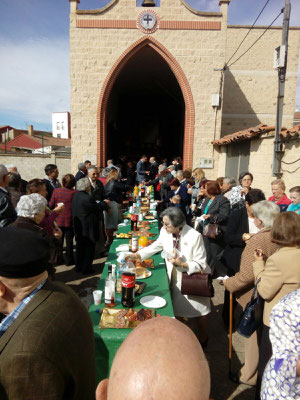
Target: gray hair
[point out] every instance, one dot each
(83, 184)
(11, 166)
(81, 166)
(175, 216)
(230, 181)
(3, 172)
(180, 172)
(31, 204)
(92, 168)
(105, 172)
(266, 211)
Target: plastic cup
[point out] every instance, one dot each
(60, 204)
(154, 213)
(97, 294)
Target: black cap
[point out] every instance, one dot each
(23, 254)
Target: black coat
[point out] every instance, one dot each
(98, 192)
(164, 187)
(114, 190)
(219, 210)
(85, 214)
(131, 176)
(237, 225)
(79, 175)
(7, 212)
(153, 170)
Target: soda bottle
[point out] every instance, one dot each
(119, 276)
(134, 219)
(128, 284)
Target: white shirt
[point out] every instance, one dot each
(252, 227)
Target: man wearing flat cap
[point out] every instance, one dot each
(46, 335)
(7, 211)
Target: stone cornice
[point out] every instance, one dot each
(113, 2)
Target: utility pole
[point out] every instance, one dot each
(278, 152)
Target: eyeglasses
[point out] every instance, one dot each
(166, 224)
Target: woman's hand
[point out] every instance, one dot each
(59, 209)
(206, 216)
(190, 191)
(245, 190)
(177, 262)
(246, 236)
(259, 255)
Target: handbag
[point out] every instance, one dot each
(212, 231)
(252, 316)
(197, 284)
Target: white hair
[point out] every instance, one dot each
(83, 184)
(31, 204)
(266, 211)
(3, 172)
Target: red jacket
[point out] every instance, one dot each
(63, 195)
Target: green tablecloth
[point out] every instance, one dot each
(107, 341)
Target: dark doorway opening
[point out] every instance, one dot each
(145, 111)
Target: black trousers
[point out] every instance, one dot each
(68, 233)
(265, 353)
(85, 249)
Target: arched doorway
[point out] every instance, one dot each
(146, 106)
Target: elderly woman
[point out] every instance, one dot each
(85, 214)
(186, 246)
(242, 283)
(238, 193)
(279, 275)
(215, 210)
(295, 199)
(31, 211)
(279, 197)
(228, 184)
(198, 174)
(114, 190)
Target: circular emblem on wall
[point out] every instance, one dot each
(148, 21)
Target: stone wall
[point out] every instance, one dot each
(32, 166)
(250, 85)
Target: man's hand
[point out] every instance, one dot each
(258, 255)
(206, 216)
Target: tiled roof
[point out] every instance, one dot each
(24, 141)
(256, 131)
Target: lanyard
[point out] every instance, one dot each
(175, 243)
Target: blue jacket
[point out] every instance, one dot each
(140, 171)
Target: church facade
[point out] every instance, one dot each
(152, 80)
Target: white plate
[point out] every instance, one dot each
(123, 247)
(153, 301)
(148, 274)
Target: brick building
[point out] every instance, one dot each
(142, 81)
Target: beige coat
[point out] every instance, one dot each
(242, 283)
(280, 275)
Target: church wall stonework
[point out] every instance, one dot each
(250, 86)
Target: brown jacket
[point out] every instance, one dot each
(242, 283)
(280, 275)
(48, 351)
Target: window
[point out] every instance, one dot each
(58, 126)
(62, 125)
(237, 159)
(59, 135)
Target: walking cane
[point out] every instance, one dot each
(230, 335)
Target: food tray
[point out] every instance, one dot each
(122, 319)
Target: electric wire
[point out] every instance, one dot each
(246, 51)
(248, 31)
(290, 163)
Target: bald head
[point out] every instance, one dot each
(160, 359)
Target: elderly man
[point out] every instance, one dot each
(170, 367)
(110, 164)
(163, 180)
(47, 344)
(7, 212)
(153, 168)
(97, 193)
(82, 171)
(51, 180)
(13, 168)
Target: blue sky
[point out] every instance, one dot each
(34, 48)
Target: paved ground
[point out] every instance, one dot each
(217, 349)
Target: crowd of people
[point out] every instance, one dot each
(220, 226)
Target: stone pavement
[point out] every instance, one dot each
(216, 351)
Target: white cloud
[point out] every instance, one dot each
(34, 78)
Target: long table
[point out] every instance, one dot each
(107, 341)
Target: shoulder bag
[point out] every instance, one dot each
(197, 284)
(212, 231)
(251, 317)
